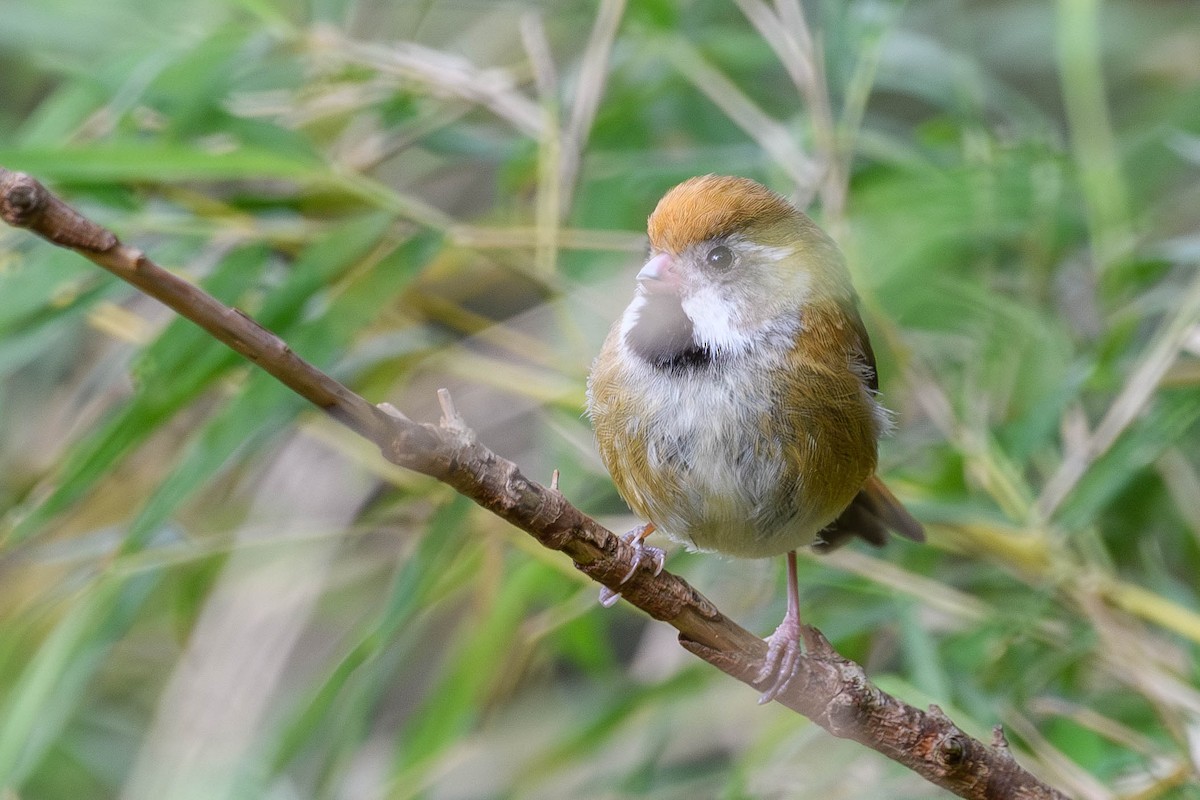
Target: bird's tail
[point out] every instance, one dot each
(872, 514)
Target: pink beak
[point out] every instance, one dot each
(659, 275)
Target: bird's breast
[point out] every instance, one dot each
(708, 454)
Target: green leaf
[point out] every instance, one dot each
(172, 372)
(1171, 417)
(335, 708)
(50, 688)
(265, 406)
(159, 162)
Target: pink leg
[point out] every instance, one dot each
(784, 645)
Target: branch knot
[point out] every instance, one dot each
(951, 751)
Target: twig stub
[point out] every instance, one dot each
(26, 203)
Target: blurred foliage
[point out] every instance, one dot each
(210, 591)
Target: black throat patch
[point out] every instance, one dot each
(665, 337)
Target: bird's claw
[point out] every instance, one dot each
(636, 539)
(784, 647)
(608, 598)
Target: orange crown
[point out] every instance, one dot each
(712, 206)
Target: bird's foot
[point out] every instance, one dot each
(641, 550)
(783, 653)
(784, 647)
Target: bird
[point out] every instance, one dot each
(735, 402)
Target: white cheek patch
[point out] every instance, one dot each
(731, 321)
(714, 321)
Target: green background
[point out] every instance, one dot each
(208, 590)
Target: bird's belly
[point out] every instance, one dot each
(714, 478)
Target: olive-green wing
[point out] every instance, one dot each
(874, 511)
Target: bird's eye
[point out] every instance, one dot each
(720, 257)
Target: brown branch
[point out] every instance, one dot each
(828, 689)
